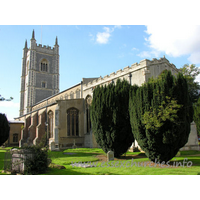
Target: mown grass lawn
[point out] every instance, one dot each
(130, 164)
(122, 166)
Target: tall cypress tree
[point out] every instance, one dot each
(4, 129)
(163, 112)
(110, 117)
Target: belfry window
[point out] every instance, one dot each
(44, 65)
(72, 122)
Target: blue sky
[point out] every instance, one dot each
(92, 51)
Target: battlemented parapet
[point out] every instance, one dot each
(45, 49)
(137, 74)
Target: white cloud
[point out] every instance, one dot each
(148, 54)
(103, 37)
(134, 49)
(144, 54)
(176, 40)
(9, 104)
(195, 57)
(117, 26)
(198, 78)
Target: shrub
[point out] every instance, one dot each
(38, 163)
(4, 129)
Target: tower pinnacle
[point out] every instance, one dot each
(25, 44)
(33, 34)
(56, 43)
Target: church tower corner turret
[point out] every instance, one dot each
(56, 66)
(33, 41)
(24, 58)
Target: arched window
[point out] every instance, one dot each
(15, 137)
(88, 120)
(72, 122)
(50, 124)
(44, 65)
(71, 95)
(66, 96)
(78, 94)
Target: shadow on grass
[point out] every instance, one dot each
(140, 155)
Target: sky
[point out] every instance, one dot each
(91, 45)
(91, 51)
(95, 38)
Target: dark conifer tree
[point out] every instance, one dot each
(4, 129)
(160, 114)
(110, 117)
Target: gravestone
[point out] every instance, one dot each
(110, 155)
(18, 159)
(74, 145)
(192, 143)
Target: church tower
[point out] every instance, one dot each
(40, 74)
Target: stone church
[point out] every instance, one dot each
(64, 117)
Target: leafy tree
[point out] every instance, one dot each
(190, 73)
(160, 114)
(196, 107)
(3, 99)
(110, 117)
(4, 129)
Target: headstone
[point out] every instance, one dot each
(192, 143)
(110, 155)
(18, 159)
(84, 165)
(74, 145)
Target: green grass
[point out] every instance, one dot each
(123, 166)
(2, 151)
(119, 166)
